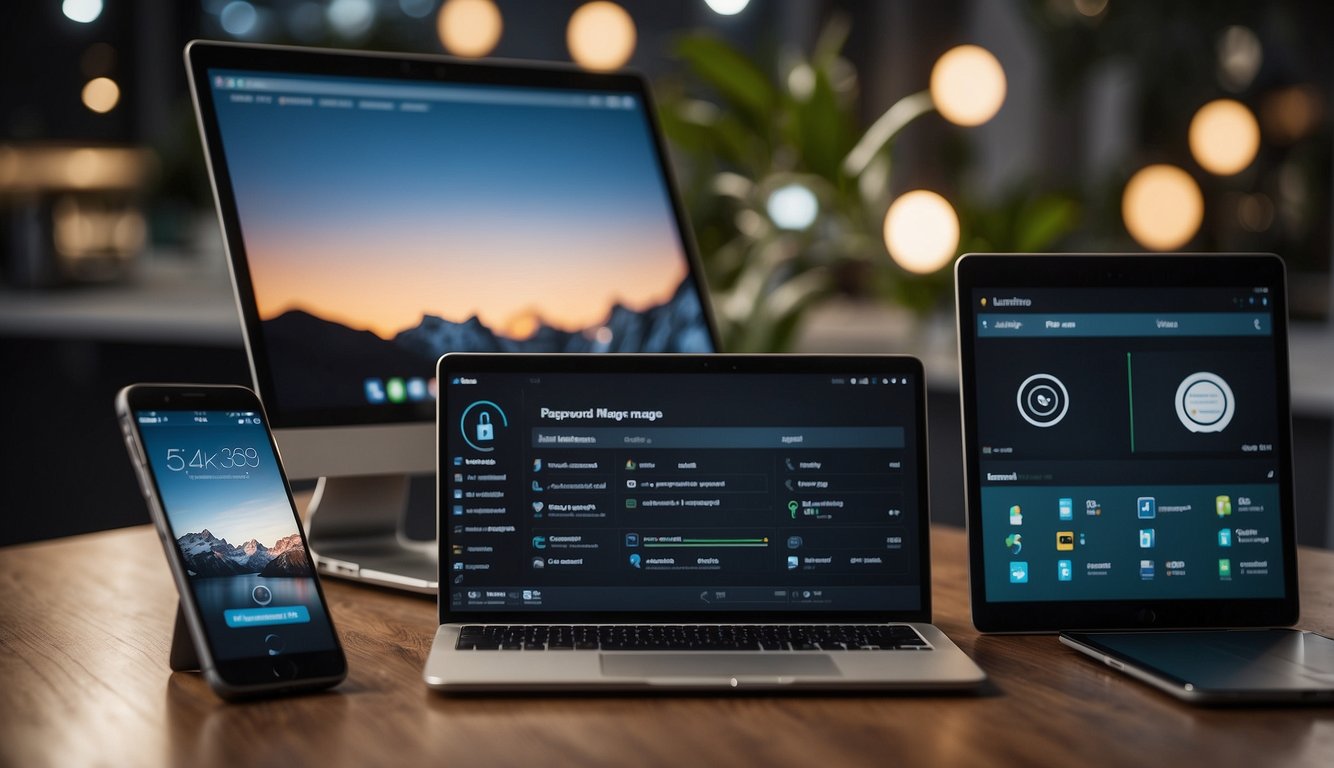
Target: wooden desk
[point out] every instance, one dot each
(85, 625)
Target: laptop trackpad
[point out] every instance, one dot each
(643, 665)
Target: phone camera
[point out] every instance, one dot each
(261, 595)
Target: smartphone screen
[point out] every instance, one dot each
(229, 514)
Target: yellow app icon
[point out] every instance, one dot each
(1223, 506)
(1065, 541)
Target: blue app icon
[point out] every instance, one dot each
(1146, 538)
(1064, 570)
(416, 387)
(1224, 537)
(375, 391)
(1146, 569)
(1067, 508)
(1018, 572)
(1146, 507)
(635, 560)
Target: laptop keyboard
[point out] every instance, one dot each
(703, 637)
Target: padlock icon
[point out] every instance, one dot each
(485, 430)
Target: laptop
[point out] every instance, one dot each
(685, 521)
(1128, 456)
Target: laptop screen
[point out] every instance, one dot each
(652, 491)
(388, 221)
(1129, 442)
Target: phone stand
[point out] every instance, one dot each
(183, 657)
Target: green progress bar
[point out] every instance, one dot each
(713, 543)
(1130, 390)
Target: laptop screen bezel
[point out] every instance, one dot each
(667, 365)
(1186, 271)
(203, 56)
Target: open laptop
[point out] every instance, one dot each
(685, 521)
(382, 209)
(1129, 465)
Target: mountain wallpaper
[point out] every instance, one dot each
(208, 556)
(319, 363)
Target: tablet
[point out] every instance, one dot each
(1126, 441)
(1221, 667)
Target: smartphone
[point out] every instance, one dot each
(216, 490)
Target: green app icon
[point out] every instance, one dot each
(1224, 568)
(396, 390)
(1223, 505)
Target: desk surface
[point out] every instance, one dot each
(85, 625)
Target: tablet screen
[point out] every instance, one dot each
(1127, 442)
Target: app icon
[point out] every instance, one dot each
(396, 390)
(537, 465)
(417, 389)
(458, 566)
(528, 594)
(374, 391)
(631, 539)
(1223, 506)
(1064, 570)
(1018, 572)
(1042, 400)
(792, 562)
(1225, 537)
(458, 493)
(630, 465)
(631, 503)
(1146, 569)
(1146, 538)
(539, 542)
(539, 562)
(1225, 569)
(1146, 507)
(537, 506)
(792, 509)
(1016, 515)
(1065, 541)
(794, 542)
(458, 461)
(1067, 508)
(1015, 543)
(635, 559)
(631, 484)
(457, 549)
(537, 487)
(458, 509)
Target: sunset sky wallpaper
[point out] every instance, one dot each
(517, 212)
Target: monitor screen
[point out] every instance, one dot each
(657, 492)
(385, 222)
(1129, 443)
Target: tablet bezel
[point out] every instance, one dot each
(1030, 271)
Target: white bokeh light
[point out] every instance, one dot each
(82, 11)
(793, 206)
(727, 7)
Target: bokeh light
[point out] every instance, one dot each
(82, 11)
(601, 36)
(1162, 207)
(1240, 55)
(1224, 137)
(238, 18)
(968, 85)
(469, 28)
(727, 7)
(101, 95)
(793, 206)
(921, 231)
(352, 19)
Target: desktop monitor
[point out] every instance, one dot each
(381, 210)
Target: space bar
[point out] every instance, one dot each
(612, 646)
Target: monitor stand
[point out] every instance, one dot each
(354, 526)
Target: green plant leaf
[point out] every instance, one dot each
(731, 73)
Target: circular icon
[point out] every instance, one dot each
(479, 431)
(1042, 400)
(274, 644)
(1205, 403)
(261, 595)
